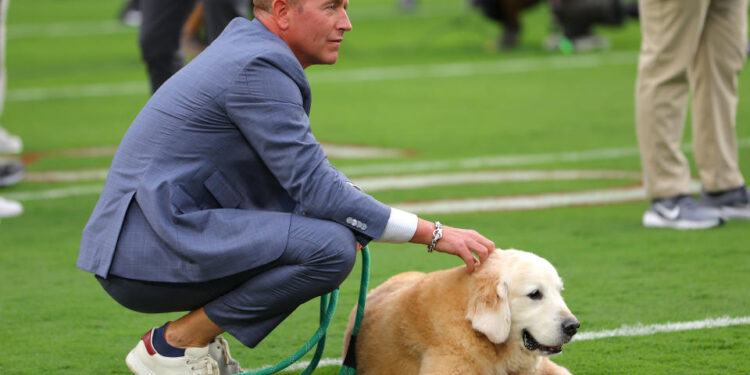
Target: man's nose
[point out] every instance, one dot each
(345, 24)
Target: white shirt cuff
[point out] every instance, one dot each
(400, 227)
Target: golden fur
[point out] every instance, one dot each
(453, 322)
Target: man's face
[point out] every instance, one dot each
(316, 30)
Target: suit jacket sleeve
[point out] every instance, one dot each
(270, 106)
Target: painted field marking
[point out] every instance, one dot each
(473, 68)
(652, 329)
(488, 161)
(108, 27)
(531, 202)
(55, 193)
(624, 331)
(68, 29)
(462, 69)
(402, 182)
(405, 182)
(66, 176)
(491, 161)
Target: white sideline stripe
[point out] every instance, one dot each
(646, 330)
(520, 65)
(67, 176)
(380, 183)
(624, 331)
(502, 160)
(55, 193)
(530, 202)
(68, 29)
(354, 75)
(107, 27)
(489, 161)
(78, 91)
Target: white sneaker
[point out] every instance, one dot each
(144, 360)
(9, 208)
(10, 144)
(219, 351)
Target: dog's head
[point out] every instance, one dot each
(516, 295)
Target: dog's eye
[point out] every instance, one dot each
(535, 294)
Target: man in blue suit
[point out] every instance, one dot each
(221, 202)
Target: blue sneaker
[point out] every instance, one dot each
(680, 212)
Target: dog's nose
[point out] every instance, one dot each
(570, 326)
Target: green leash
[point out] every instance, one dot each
(327, 308)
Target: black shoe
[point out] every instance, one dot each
(11, 172)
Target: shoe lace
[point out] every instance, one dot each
(204, 365)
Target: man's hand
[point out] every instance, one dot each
(463, 243)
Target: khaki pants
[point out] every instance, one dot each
(698, 47)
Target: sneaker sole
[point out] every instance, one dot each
(135, 365)
(732, 213)
(11, 211)
(652, 220)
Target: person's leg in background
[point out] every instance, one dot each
(671, 32)
(218, 13)
(714, 76)
(11, 171)
(159, 37)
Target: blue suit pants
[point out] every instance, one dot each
(319, 255)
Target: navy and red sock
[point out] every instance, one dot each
(160, 343)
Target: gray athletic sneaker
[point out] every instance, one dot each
(680, 212)
(11, 172)
(731, 204)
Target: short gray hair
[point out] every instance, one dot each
(266, 4)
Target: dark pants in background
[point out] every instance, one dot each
(161, 27)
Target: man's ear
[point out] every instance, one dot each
(489, 309)
(280, 10)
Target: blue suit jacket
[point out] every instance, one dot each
(217, 161)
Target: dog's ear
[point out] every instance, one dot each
(489, 309)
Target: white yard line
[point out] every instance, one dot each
(96, 90)
(493, 161)
(488, 161)
(113, 26)
(646, 330)
(54, 193)
(530, 202)
(380, 183)
(624, 331)
(405, 182)
(68, 29)
(473, 68)
(462, 69)
(67, 176)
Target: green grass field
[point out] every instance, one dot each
(435, 87)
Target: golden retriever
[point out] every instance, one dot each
(507, 317)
